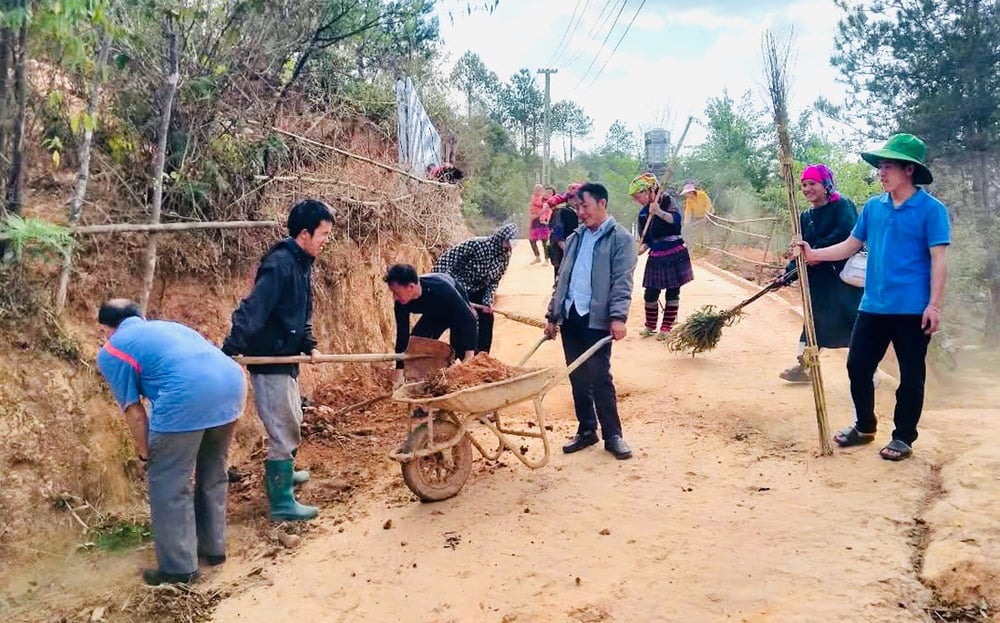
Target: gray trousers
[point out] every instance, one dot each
(188, 521)
(279, 406)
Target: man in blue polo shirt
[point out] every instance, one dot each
(907, 232)
(196, 394)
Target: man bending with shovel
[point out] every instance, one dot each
(274, 320)
(443, 305)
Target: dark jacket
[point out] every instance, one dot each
(276, 317)
(835, 303)
(661, 235)
(443, 304)
(610, 277)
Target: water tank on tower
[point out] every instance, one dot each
(657, 143)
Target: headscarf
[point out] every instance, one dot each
(505, 234)
(821, 174)
(646, 181)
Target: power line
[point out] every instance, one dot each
(572, 33)
(603, 43)
(569, 28)
(620, 39)
(593, 30)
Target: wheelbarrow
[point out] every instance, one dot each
(436, 458)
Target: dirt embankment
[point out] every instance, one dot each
(67, 459)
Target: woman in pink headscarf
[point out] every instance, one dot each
(835, 303)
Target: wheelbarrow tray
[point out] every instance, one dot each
(480, 398)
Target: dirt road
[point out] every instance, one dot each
(725, 513)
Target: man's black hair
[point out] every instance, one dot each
(401, 274)
(595, 190)
(307, 215)
(112, 313)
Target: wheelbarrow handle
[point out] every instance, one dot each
(350, 358)
(533, 350)
(579, 361)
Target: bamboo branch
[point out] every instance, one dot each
(343, 152)
(171, 227)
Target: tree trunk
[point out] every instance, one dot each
(83, 174)
(172, 66)
(15, 177)
(991, 336)
(6, 42)
(571, 145)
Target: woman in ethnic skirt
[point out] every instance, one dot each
(669, 264)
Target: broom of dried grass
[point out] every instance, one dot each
(702, 330)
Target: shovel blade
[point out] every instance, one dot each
(424, 357)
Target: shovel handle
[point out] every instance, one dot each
(355, 358)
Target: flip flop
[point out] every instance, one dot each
(852, 437)
(901, 448)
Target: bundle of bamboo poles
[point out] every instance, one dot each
(776, 58)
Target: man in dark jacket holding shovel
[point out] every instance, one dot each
(443, 305)
(275, 320)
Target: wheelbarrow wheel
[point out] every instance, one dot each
(441, 475)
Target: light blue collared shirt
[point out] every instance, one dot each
(580, 290)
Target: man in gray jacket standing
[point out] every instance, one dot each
(591, 300)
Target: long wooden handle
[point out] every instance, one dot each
(774, 285)
(666, 178)
(356, 358)
(531, 322)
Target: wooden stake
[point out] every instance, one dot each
(776, 57)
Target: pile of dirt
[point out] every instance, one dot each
(479, 370)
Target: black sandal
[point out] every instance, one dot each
(852, 437)
(901, 448)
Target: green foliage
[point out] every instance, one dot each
(930, 67)
(738, 150)
(122, 535)
(614, 169)
(35, 236)
(619, 140)
(477, 83)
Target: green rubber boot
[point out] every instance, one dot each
(283, 507)
(299, 476)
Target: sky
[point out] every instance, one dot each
(675, 57)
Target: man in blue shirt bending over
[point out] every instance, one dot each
(907, 232)
(196, 394)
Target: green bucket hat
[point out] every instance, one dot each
(905, 148)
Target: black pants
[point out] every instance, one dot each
(594, 395)
(485, 321)
(871, 337)
(433, 327)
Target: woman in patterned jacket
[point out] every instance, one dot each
(478, 264)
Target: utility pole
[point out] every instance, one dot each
(547, 127)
